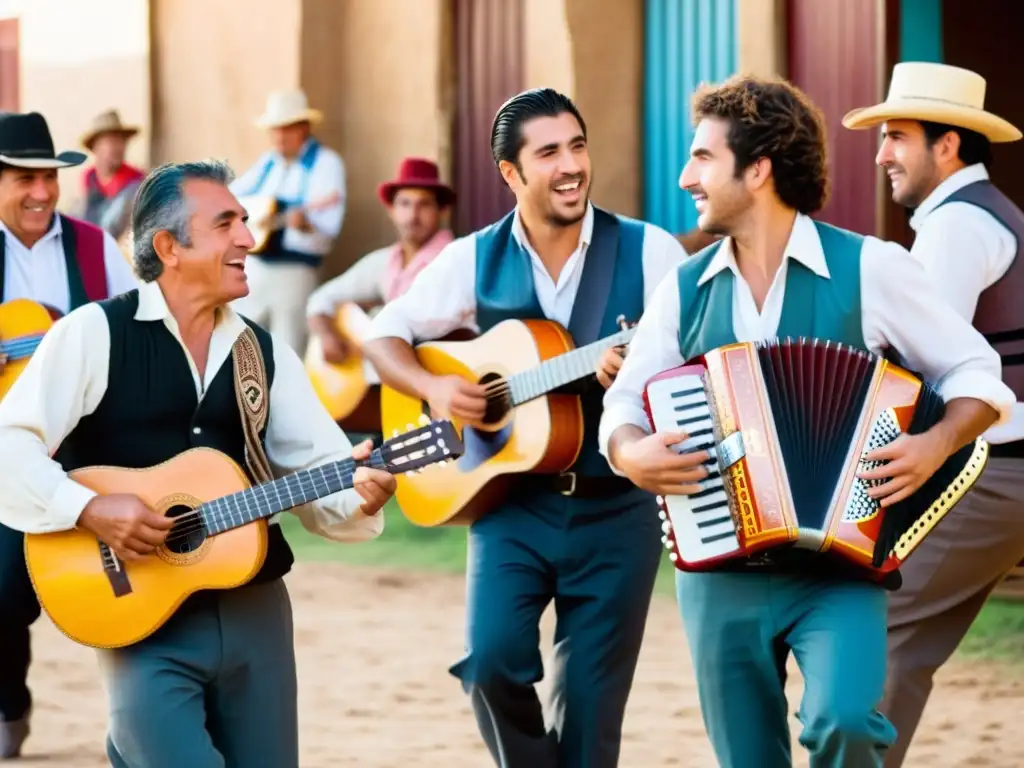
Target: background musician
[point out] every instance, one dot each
(757, 171)
(308, 181)
(62, 262)
(585, 539)
(109, 186)
(417, 202)
(936, 149)
(134, 382)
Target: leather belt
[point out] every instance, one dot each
(582, 487)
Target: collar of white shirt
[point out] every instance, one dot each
(153, 307)
(586, 233)
(804, 245)
(54, 232)
(953, 183)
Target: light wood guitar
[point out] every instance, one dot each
(219, 539)
(266, 216)
(23, 323)
(529, 427)
(341, 387)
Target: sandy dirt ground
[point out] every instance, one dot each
(375, 693)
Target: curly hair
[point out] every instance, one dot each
(772, 118)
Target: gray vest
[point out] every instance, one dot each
(999, 316)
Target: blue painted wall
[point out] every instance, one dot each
(687, 42)
(921, 30)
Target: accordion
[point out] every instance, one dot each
(786, 425)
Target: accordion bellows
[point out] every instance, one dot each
(787, 424)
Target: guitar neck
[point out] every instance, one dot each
(267, 499)
(564, 369)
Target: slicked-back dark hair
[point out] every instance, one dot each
(507, 129)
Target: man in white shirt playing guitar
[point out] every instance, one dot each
(295, 197)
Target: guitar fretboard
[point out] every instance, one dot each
(267, 499)
(564, 369)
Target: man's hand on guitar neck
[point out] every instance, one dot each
(609, 364)
(650, 463)
(125, 524)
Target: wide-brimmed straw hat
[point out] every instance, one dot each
(25, 142)
(937, 93)
(106, 122)
(287, 108)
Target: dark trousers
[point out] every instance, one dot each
(597, 560)
(18, 609)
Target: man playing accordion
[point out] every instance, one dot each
(757, 171)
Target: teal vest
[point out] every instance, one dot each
(813, 306)
(613, 266)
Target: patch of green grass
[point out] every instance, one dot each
(997, 633)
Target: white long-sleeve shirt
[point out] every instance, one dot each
(287, 180)
(965, 250)
(443, 296)
(40, 273)
(66, 378)
(899, 308)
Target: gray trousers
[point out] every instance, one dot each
(215, 687)
(945, 584)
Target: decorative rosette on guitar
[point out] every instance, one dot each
(787, 425)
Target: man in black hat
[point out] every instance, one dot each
(63, 263)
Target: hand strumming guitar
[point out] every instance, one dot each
(452, 397)
(124, 523)
(333, 345)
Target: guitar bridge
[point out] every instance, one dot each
(116, 575)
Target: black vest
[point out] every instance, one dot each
(150, 411)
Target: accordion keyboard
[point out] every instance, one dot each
(701, 524)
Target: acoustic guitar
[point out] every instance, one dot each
(219, 538)
(23, 323)
(266, 215)
(341, 387)
(528, 427)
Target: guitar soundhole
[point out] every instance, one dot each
(499, 402)
(188, 532)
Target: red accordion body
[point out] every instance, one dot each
(786, 425)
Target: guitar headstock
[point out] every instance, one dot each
(419, 447)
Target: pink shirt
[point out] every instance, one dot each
(398, 278)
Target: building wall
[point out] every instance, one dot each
(70, 77)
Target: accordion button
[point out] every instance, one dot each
(673, 556)
(660, 500)
(662, 515)
(666, 527)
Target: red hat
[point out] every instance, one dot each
(420, 173)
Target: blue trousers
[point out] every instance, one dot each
(215, 687)
(19, 608)
(741, 628)
(597, 560)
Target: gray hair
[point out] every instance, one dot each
(160, 205)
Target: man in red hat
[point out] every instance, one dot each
(417, 201)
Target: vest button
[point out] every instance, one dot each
(196, 430)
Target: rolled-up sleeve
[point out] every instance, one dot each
(904, 310)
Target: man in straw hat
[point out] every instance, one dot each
(109, 186)
(417, 202)
(62, 262)
(936, 146)
(307, 181)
